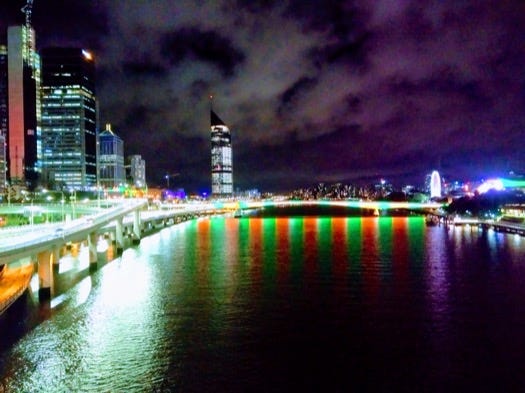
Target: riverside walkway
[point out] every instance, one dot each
(498, 226)
(13, 283)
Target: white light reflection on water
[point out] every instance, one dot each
(77, 296)
(100, 333)
(240, 302)
(102, 245)
(122, 334)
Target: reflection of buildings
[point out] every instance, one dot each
(23, 122)
(69, 140)
(221, 158)
(137, 171)
(111, 159)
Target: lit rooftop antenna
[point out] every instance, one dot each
(27, 10)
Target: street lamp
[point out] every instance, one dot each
(32, 215)
(73, 200)
(167, 177)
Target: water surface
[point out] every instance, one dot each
(283, 304)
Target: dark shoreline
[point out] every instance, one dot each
(326, 211)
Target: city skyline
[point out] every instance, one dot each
(317, 91)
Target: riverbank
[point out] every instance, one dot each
(13, 283)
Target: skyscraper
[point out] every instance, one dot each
(221, 158)
(69, 129)
(23, 133)
(111, 159)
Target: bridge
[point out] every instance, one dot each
(43, 243)
(353, 204)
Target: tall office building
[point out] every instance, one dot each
(23, 80)
(3, 118)
(221, 158)
(69, 133)
(111, 159)
(138, 171)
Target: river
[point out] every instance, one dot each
(282, 304)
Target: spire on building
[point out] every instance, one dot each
(221, 157)
(215, 120)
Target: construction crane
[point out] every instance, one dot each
(168, 176)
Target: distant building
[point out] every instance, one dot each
(111, 159)
(69, 138)
(137, 171)
(383, 188)
(23, 97)
(248, 194)
(221, 158)
(435, 185)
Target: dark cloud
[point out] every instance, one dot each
(339, 18)
(257, 6)
(194, 44)
(312, 90)
(290, 97)
(351, 51)
(143, 69)
(62, 22)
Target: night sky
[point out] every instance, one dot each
(331, 91)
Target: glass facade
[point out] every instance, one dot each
(221, 158)
(69, 137)
(24, 131)
(111, 159)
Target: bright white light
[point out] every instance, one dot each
(435, 185)
(87, 55)
(491, 184)
(102, 245)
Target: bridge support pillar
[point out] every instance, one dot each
(136, 227)
(45, 273)
(92, 245)
(56, 257)
(119, 236)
